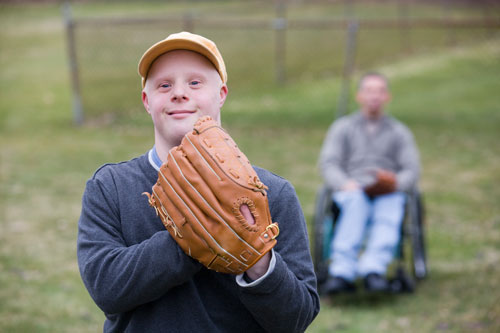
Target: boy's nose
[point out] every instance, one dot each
(179, 94)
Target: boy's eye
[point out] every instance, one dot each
(165, 85)
(194, 82)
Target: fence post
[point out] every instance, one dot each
(404, 25)
(188, 22)
(349, 60)
(349, 11)
(280, 26)
(447, 7)
(73, 65)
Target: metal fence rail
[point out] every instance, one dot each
(103, 51)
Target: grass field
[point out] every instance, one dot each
(448, 97)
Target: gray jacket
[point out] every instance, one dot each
(355, 147)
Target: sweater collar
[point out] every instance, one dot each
(379, 122)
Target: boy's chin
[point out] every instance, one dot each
(183, 127)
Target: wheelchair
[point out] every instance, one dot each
(410, 262)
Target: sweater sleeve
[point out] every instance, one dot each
(119, 277)
(286, 300)
(408, 160)
(331, 156)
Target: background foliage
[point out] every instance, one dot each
(447, 94)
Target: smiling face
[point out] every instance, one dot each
(182, 86)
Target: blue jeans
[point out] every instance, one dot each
(384, 215)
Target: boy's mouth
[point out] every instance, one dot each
(180, 113)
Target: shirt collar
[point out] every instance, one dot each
(154, 159)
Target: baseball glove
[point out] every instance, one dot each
(385, 183)
(203, 193)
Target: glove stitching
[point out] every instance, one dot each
(201, 156)
(237, 213)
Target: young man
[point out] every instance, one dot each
(132, 267)
(360, 149)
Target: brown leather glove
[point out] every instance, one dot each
(199, 194)
(385, 183)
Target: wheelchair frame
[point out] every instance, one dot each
(410, 259)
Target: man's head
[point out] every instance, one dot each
(183, 79)
(373, 94)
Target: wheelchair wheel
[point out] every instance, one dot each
(412, 247)
(323, 233)
(418, 237)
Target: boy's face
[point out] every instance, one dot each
(181, 87)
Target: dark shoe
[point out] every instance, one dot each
(337, 284)
(376, 283)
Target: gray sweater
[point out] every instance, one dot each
(138, 275)
(354, 148)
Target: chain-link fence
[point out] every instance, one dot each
(263, 43)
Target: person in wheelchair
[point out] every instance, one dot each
(369, 160)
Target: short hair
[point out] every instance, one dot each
(373, 74)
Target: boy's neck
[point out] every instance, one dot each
(162, 150)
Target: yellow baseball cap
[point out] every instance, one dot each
(183, 41)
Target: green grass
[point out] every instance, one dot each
(447, 96)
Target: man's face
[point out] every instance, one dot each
(372, 95)
(181, 87)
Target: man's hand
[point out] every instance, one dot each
(384, 183)
(351, 185)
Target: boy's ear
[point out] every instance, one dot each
(223, 95)
(145, 101)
